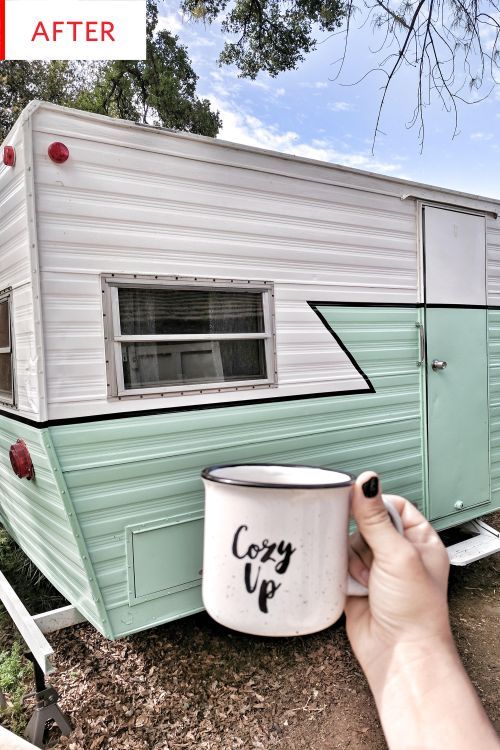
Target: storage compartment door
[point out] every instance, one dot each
(164, 557)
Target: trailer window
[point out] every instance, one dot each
(190, 337)
(6, 379)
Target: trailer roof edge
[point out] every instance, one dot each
(31, 108)
(452, 206)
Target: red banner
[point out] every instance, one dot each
(2, 29)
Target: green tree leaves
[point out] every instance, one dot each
(22, 81)
(273, 35)
(160, 90)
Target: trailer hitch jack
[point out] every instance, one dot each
(46, 709)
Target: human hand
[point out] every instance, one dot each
(400, 633)
(406, 577)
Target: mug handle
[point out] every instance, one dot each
(354, 588)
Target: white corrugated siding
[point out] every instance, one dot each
(493, 261)
(130, 200)
(15, 272)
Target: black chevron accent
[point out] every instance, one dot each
(369, 385)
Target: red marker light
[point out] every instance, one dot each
(58, 152)
(20, 460)
(9, 156)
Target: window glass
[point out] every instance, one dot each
(189, 335)
(4, 325)
(146, 365)
(5, 377)
(186, 311)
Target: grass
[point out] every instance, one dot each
(15, 674)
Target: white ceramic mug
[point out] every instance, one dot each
(275, 547)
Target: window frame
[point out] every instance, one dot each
(6, 296)
(110, 283)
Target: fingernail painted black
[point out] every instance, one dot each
(370, 488)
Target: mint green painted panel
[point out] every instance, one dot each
(157, 557)
(458, 430)
(383, 339)
(109, 478)
(149, 614)
(39, 517)
(146, 469)
(494, 393)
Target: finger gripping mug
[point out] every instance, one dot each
(275, 547)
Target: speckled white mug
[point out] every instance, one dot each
(275, 547)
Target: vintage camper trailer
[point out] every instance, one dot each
(169, 301)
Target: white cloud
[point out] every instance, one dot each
(480, 136)
(258, 83)
(341, 107)
(201, 41)
(224, 82)
(488, 32)
(313, 84)
(171, 23)
(241, 127)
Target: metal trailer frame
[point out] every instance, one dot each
(33, 630)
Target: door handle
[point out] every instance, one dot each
(438, 364)
(421, 344)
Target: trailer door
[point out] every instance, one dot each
(457, 373)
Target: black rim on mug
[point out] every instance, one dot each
(208, 473)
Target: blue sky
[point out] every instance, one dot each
(306, 113)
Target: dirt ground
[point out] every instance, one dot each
(193, 684)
